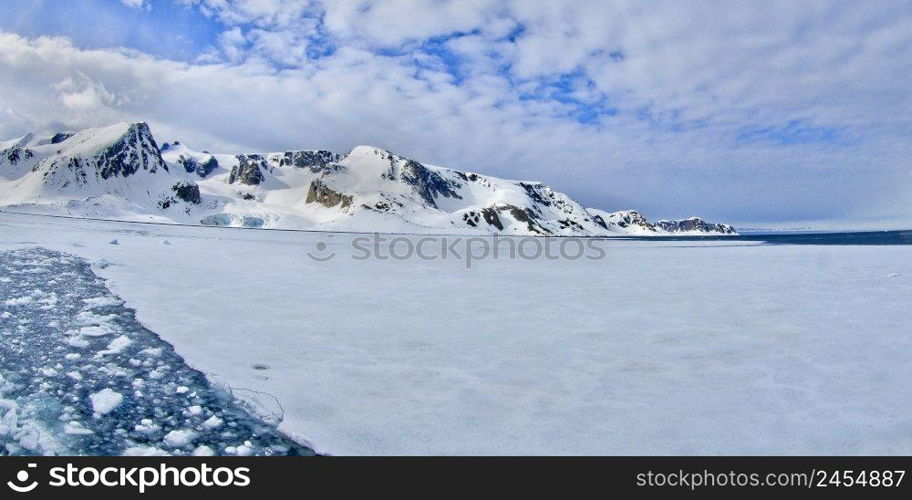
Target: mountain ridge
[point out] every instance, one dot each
(121, 172)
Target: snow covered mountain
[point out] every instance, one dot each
(693, 225)
(633, 223)
(117, 168)
(120, 172)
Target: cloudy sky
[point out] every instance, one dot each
(756, 113)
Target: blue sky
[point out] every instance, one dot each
(741, 111)
(169, 30)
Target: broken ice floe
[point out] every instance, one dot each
(80, 375)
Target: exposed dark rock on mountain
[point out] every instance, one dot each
(188, 192)
(694, 224)
(524, 215)
(120, 162)
(427, 184)
(632, 218)
(60, 137)
(491, 217)
(314, 160)
(249, 170)
(184, 191)
(536, 192)
(201, 168)
(488, 215)
(384, 206)
(15, 153)
(600, 221)
(326, 196)
(136, 150)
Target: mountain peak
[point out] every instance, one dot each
(118, 165)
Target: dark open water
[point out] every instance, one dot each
(810, 238)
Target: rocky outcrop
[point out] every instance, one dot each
(429, 185)
(68, 161)
(134, 151)
(694, 225)
(248, 171)
(526, 216)
(60, 137)
(489, 215)
(494, 218)
(326, 196)
(537, 192)
(316, 161)
(625, 219)
(15, 154)
(187, 192)
(193, 166)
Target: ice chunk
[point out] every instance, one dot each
(203, 451)
(116, 346)
(179, 438)
(18, 301)
(76, 428)
(89, 318)
(145, 451)
(245, 450)
(95, 331)
(105, 400)
(102, 301)
(77, 341)
(146, 426)
(213, 422)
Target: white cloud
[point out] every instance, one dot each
(263, 13)
(731, 110)
(136, 4)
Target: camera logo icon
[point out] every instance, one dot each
(22, 477)
(321, 255)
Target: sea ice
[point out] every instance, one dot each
(105, 400)
(54, 400)
(179, 438)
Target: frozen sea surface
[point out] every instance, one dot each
(663, 347)
(79, 374)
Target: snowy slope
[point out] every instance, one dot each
(625, 222)
(119, 172)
